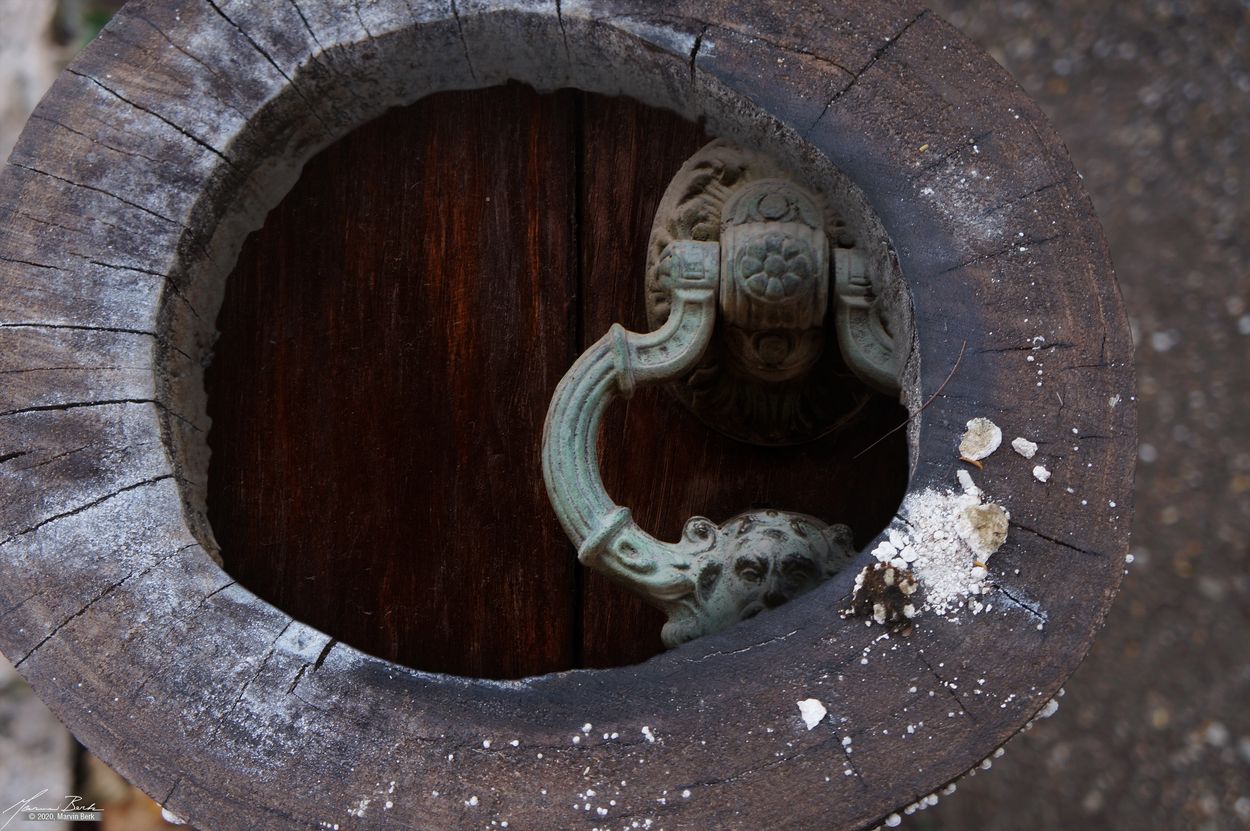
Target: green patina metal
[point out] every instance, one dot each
(767, 270)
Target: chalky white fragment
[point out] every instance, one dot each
(812, 712)
(1024, 447)
(980, 439)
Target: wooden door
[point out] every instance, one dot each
(389, 343)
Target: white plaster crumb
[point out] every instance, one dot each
(893, 821)
(1024, 447)
(587, 727)
(983, 526)
(1041, 474)
(360, 807)
(949, 535)
(980, 439)
(486, 744)
(515, 742)
(650, 737)
(847, 741)
(685, 794)
(1050, 709)
(472, 802)
(171, 817)
(965, 482)
(812, 712)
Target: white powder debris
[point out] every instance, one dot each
(953, 537)
(1041, 474)
(980, 439)
(812, 712)
(1024, 447)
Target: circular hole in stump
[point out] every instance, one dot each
(390, 341)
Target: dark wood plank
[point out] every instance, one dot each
(390, 341)
(659, 459)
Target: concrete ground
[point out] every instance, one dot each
(1153, 99)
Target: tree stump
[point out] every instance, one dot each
(124, 207)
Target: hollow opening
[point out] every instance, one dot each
(389, 344)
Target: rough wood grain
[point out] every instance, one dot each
(236, 716)
(390, 341)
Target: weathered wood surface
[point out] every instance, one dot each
(121, 213)
(389, 344)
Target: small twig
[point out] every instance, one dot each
(938, 392)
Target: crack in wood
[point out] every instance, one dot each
(748, 648)
(1010, 248)
(1034, 192)
(33, 264)
(52, 459)
(1056, 540)
(112, 587)
(313, 665)
(82, 508)
(73, 405)
(855, 76)
(290, 81)
(136, 11)
(331, 64)
(1035, 611)
(564, 33)
(96, 140)
(136, 105)
(455, 12)
(945, 685)
(938, 161)
(361, 20)
(104, 192)
(169, 281)
(1026, 347)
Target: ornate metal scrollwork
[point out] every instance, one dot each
(735, 233)
(768, 376)
(714, 576)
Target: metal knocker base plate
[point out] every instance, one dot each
(168, 140)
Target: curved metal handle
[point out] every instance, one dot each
(714, 576)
